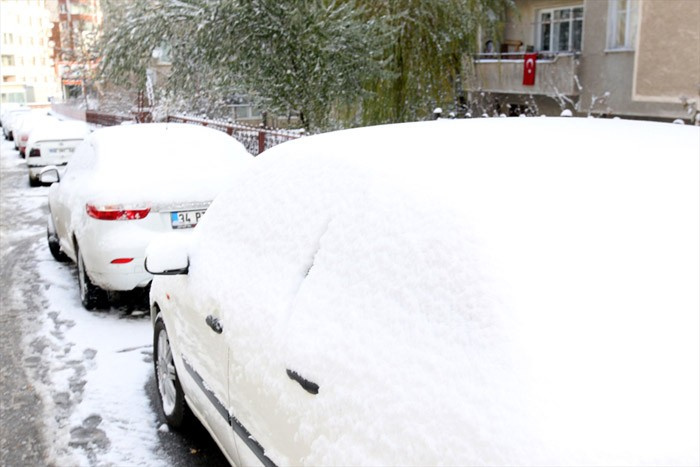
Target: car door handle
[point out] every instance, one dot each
(310, 387)
(215, 324)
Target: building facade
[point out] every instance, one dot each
(27, 69)
(628, 58)
(76, 24)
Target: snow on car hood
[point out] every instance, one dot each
(505, 291)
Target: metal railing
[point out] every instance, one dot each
(521, 55)
(105, 119)
(256, 140)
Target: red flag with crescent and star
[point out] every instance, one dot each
(529, 69)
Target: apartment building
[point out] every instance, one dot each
(627, 58)
(27, 70)
(74, 35)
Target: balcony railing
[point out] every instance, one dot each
(555, 73)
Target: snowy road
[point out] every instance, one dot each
(77, 386)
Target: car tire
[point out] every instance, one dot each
(54, 244)
(91, 296)
(33, 182)
(170, 394)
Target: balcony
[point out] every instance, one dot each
(503, 73)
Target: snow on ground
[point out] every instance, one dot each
(98, 365)
(89, 368)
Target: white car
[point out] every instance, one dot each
(432, 294)
(9, 119)
(6, 108)
(53, 144)
(124, 185)
(26, 124)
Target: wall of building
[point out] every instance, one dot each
(612, 72)
(26, 52)
(667, 63)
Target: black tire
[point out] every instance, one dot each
(34, 181)
(170, 394)
(54, 244)
(91, 296)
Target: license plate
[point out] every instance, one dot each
(185, 219)
(60, 150)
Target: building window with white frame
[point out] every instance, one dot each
(622, 24)
(560, 29)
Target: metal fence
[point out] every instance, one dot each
(105, 119)
(256, 140)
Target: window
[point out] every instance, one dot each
(8, 60)
(560, 29)
(622, 24)
(7, 38)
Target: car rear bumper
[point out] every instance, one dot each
(121, 278)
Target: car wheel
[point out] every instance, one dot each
(54, 244)
(33, 181)
(91, 295)
(171, 395)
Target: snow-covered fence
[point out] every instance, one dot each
(256, 140)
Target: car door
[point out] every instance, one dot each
(201, 342)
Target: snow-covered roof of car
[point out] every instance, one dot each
(59, 130)
(156, 162)
(506, 290)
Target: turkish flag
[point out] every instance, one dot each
(529, 69)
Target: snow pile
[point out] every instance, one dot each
(463, 302)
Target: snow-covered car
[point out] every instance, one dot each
(432, 294)
(125, 184)
(6, 108)
(28, 123)
(53, 144)
(9, 119)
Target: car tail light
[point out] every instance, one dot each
(35, 153)
(24, 138)
(122, 260)
(115, 213)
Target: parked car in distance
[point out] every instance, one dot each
(434, 294)
(26, 124)
(125, 184)
(53, 144)
(7, 107)
(9, 119)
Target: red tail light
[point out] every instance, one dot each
(115, 213)
(24, 138)
(35, 153)
(122, 260)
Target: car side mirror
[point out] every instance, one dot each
(49, 175)
(167, 255)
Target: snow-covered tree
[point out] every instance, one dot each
(310, 56)
(353, 60)
(422, 54)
